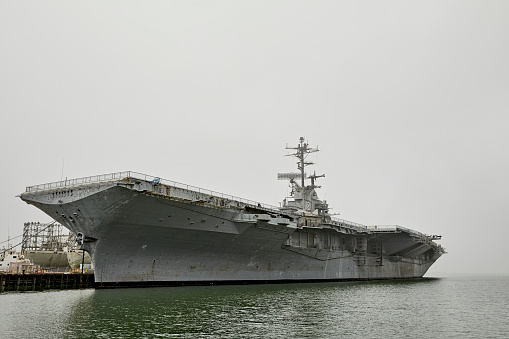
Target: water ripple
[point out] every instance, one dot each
(454, 307)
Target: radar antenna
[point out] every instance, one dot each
(314, 177)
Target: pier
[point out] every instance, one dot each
(45, 281)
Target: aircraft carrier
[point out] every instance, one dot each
(144, 230)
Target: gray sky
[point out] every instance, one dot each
(407, 101)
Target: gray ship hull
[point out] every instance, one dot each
(149, 233)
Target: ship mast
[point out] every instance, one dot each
(304, 197)
(302, 151)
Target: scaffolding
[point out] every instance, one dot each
(46, 237)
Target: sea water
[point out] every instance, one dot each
(449, 307)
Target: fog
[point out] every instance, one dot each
(407, 102)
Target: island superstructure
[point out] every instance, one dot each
(144, 230)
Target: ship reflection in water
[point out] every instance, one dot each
(462, 307)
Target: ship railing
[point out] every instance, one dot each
(176, 184)
(397, 228)
(349, 224)
(383, 228)
(150, 178)
(117, 176)
(79, 181)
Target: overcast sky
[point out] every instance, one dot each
(407, 101)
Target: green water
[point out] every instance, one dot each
(452, 307)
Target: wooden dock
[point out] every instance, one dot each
(45, 281)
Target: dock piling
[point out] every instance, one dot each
(45, 281)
